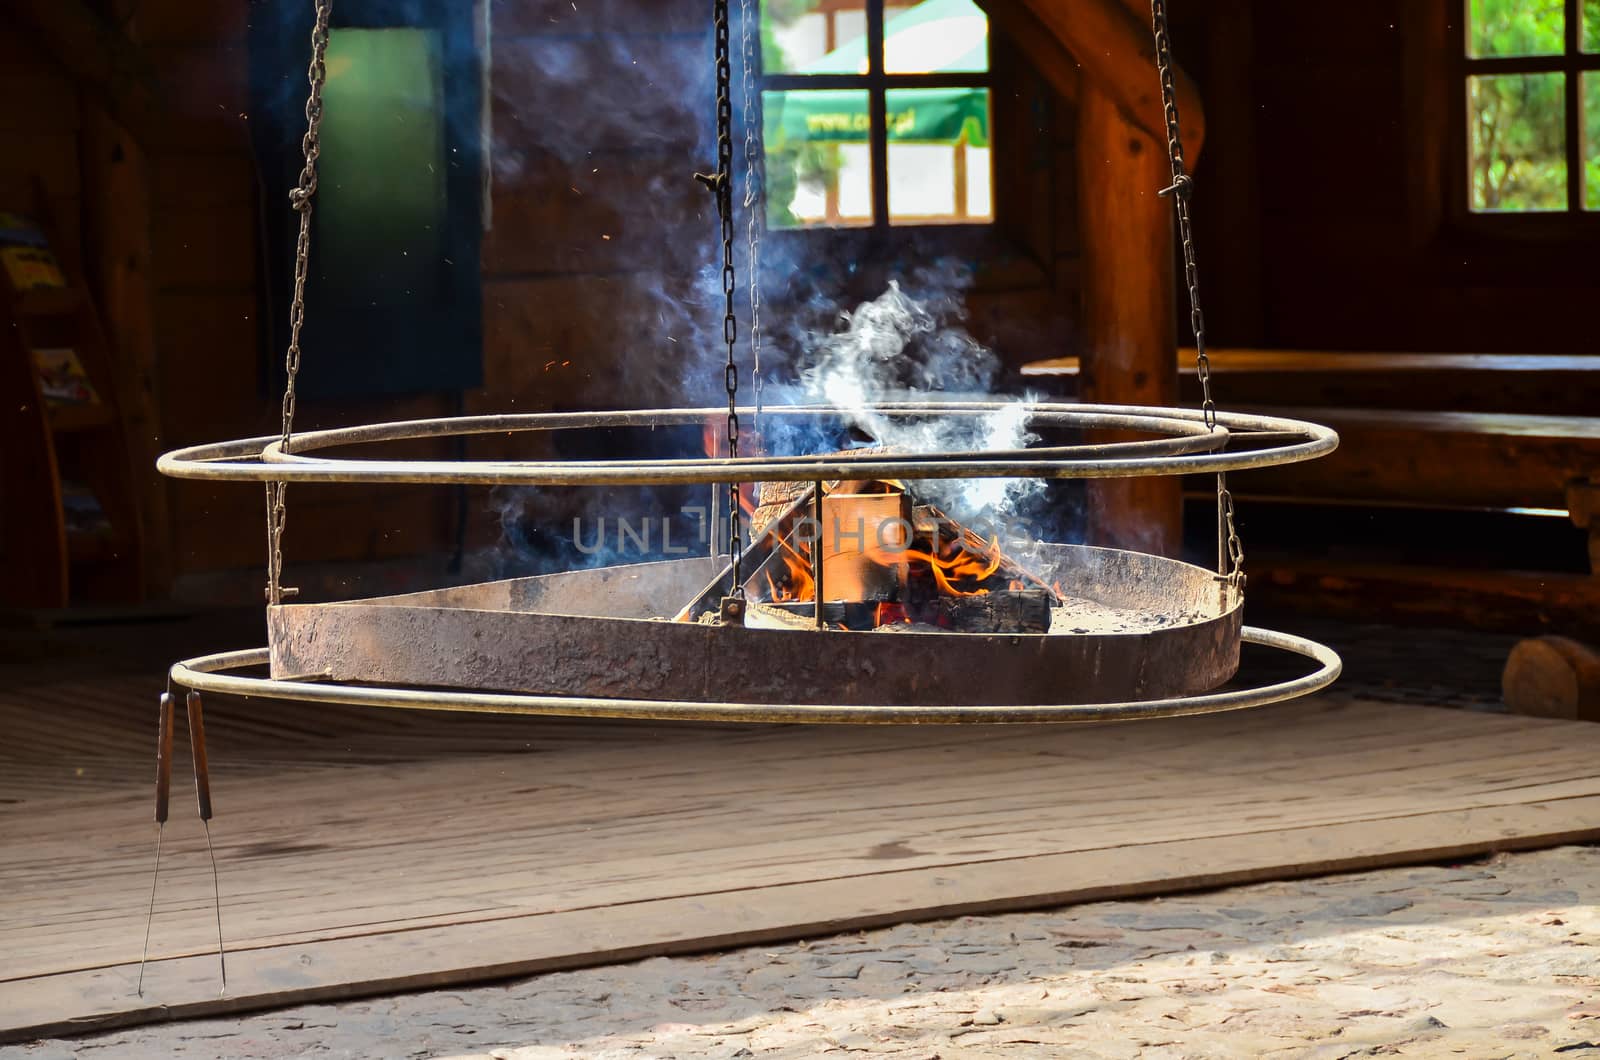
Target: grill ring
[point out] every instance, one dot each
(1187, 447)
(213, 673)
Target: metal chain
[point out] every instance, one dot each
(754, 172)
(721, 185)
(300, 198)
(1230, 547)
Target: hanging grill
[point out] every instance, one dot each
(1078, 634)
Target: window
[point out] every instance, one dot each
(1532, 105)
(394, 283)
(876, 114)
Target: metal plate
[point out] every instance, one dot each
(606, 633)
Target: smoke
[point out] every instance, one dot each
(597, 131)
(901, 346)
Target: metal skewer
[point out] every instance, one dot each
(163, 791)
(202, 791)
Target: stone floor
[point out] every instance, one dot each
(1496, 958)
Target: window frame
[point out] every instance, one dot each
(878, 83)
(1572, 62)
(353, 350)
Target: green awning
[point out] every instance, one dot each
(941, 31)
(916, 115)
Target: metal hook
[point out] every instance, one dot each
(1182, 185)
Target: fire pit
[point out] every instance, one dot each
(1153, 628)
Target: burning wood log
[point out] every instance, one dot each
(1025, 611)
(857, 531)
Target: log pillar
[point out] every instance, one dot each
(1129, 309)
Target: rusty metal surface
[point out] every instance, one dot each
(605, 633)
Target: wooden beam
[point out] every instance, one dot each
(1129, 308)
(1106, 44)
(100, 56)
(1043, 50)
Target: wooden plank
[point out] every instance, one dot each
(480, 878)
(185, 987)
(479, 875)
(369, 851)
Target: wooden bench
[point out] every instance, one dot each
(1541, 384)
(1483, 460)
(1479, 432)
(1476, 431)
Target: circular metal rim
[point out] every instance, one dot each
(262, 459)
(208, 674)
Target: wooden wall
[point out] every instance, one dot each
(600, 286)
(594, 266)
(1321, 192)
(206, 256)
(39, 125)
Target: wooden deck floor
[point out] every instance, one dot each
(369, 852)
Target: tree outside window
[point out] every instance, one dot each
(1533, 105)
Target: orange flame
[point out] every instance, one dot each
(946, 570)
(799, 584)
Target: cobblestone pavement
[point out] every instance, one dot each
(1496, 958)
